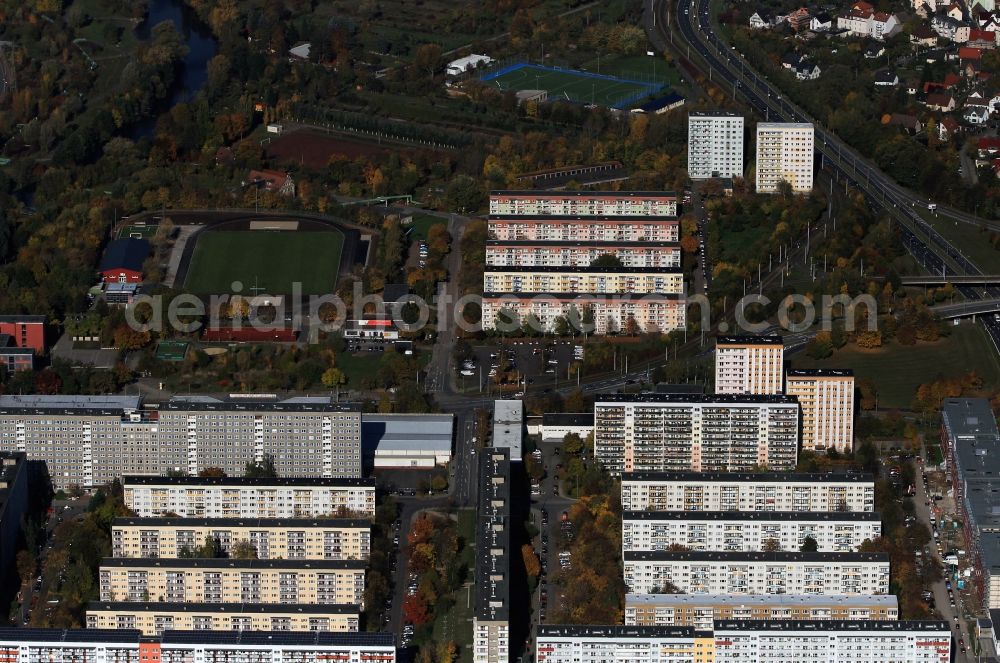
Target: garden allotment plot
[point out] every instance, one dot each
(268, 260)
(572, 85)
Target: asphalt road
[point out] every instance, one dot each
(941, 594)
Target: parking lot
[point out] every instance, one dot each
(520, 366)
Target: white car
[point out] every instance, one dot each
(467, 372)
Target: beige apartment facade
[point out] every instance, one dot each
(232, 497)
(171, 538)
(784, 154)
(702, 610)
(749, 365)
(570, 280)
(826, 398)
(233, 581)
(155, 618)
(583, 203)
(747, 491)
(661, 255)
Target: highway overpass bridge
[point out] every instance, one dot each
(979, 279)
(967, 309)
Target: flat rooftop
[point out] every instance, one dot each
(830, 625)
(613, 631)
(819, 373)
(241, 482)
(532, 193)
(751, 600)
(696, 399)
(230, 563)
(749, 340)
(749, 477)
(256, 402)
(45, 404)
(285, 523)
(403, 432)
(235, 608)
(493, 536)
(568, 419)
(765, 516)
(730, 556)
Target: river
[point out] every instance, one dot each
(202, 47)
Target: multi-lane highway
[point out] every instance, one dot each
(729, 70)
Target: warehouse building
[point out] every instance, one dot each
(694, 432)
(557, 425)
(133, 646)
(407, 440)
(702, 611)
(271, 538)
(235, 497)
(704, 572)
(747, 491)
(753, 531)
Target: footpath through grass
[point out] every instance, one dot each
(897, 370)
(266, 259)
(456, 624)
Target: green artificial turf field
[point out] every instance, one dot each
(265, 262)
(576, 86)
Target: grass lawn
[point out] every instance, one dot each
(422, 224)
(456, 624)
(736, 243)
(272, 259)
(968, 239)
(575, 86)
(898, 370)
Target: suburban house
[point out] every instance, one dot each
(798, 19)
(955, 11)
(962, 33)
(761, 20)
(863, 21)
(791, 60)
(874, 50)
(821, 22)
(271, 180)
(984, 39)
(123, 259)
(884, 25)
(923, 36)
(987, 148)
(940, 101)
(807, 71)
(945, 26)
(947, 127)
(886, 78)
(909, 122)
(976, 113)
(994, 103)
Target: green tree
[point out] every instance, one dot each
(243, 549)
(333, 377)
(809, 545)
(262, 469)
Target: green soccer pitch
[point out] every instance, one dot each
(270, 260)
